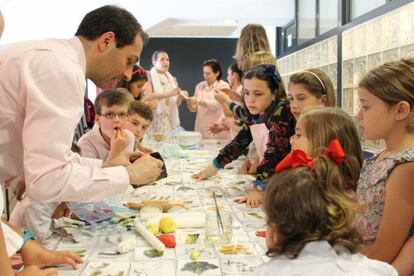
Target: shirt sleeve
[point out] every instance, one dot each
(54, 104)
(282, 127)
(234, 149)
(13, 240)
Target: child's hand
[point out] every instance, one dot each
(253, 166)
(35, 254)
(254, 198)
(210, 170)
(221, 97)
(241, 200)
(119, 141)
(244, 169)
(231, 93)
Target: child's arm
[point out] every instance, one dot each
(230, 152)
(404, 263)
(398, 215)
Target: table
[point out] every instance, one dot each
(177, 261)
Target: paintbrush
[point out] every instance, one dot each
(219, 221)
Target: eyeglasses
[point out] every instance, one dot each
(112, 115)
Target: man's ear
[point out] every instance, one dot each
(106, 41)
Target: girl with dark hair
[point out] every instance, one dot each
(137, 83)
(268, 115)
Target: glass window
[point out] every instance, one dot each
(306, 20)
(359, 7)
(328, 15)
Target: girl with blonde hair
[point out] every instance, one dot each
(317, 126)
(252, 39)
(309, 220)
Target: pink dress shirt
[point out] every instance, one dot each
(41, 95)
(212, 113)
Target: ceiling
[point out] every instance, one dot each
(162, 18)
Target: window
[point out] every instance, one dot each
(306, 20)
(328, 15)
(359, 7)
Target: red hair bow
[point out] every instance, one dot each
(295, 159)
(335, 152)
(298, 158)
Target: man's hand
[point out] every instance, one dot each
(120, 160)
(144, 170)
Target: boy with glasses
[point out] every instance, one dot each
(109, 138)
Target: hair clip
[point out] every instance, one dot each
(271, 71)
(138, 71)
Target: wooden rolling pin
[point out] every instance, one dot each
(165, 204)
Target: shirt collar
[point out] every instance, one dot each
(77, 45)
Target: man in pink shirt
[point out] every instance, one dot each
(42, 89)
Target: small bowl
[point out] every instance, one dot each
(188, 138)
(151, 209)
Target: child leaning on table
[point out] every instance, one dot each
(309, 221)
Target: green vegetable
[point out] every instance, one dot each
(153, 253)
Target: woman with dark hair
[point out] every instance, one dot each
(203, 102)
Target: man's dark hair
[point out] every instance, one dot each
(111, 19)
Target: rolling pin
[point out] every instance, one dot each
(165, 204)
(149, 237)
